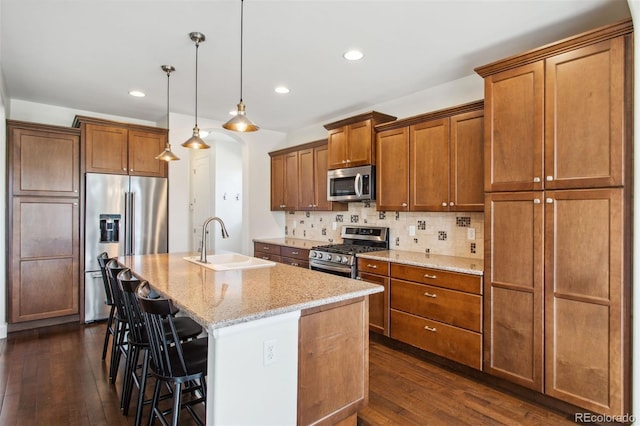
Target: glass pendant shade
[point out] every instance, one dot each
(167, 155)
(240, 123)
(195, 141)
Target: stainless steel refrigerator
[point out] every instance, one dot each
(123, 215)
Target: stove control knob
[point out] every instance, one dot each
(345, 259)
(338, 259)
(328, 257)
(319, 255)
(313, 254)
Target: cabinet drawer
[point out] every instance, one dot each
(379, 267)
(295, 262)
(268, 256)
(266, 248)
(438, 277)
(294, 253)
(451, 342)
(449, 306)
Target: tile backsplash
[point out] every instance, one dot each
(453, 234)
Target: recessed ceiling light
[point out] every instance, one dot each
(353, 55)
(282, 90)
(137, 93)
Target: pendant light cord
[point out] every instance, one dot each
(241, 42)
(197, 45)
(168, 76)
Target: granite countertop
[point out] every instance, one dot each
(446, 263)
(218, 299)
(291, 242)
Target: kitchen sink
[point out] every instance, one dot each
(229, 261)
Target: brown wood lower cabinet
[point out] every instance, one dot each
(377, 272)
(282, 254)
(333, 363)
(44, 258)
(438, 311)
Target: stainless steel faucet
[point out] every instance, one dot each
(203, 247)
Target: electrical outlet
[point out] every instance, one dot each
(412, 230)
(269, 353)
(334, 225)
(471, 234)
(295, 224)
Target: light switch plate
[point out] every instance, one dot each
(412, 230)
(471, 234)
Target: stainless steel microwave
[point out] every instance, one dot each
(352, 184)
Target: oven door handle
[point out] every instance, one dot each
(329, 267)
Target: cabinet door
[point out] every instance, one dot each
(44, 162)
(143, 149)
(321, 159)
(585, 117)
(291, 181)
(106, 149)
(277, 182)
(337, 143)
(378, 304)
(513, 296)
(429, 166)
(306, 182)
(359, 144)
(514, 113)
(584, 298)
(44, 258)
(392, 147)
(466, 190)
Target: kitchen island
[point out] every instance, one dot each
(286, 345)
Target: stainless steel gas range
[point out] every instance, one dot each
(340, 259)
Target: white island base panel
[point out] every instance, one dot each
(253, 372)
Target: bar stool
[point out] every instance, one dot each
(138, 341)
(184, 365)
(103, 259)
(121, 324)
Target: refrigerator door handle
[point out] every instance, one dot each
(131, 213)
(127, 225)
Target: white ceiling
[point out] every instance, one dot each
(87, 54)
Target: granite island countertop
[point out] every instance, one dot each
(447, 263)
(217, 299)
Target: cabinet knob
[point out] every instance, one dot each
(536, 179)
(444, 204)
(549, 178)
(294, 264)
(265, 257)
(348, 161)
(404, 204)
(344, 161)
(294, 252)
(430, 295)
(549, 200)
(451, 203)
(124, 169)
(432, 329)
(536, 201)
(310, 205)
(433, 277)
(315, 205)
(130, 170)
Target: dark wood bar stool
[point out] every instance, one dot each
(103, 259)
(120, 322)
(183, 365)
(138, 342)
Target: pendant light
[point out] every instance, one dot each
(240, 123)
(167, 155)
(195, 141)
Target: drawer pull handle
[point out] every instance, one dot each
(372, 266)
(433, 329)
(265, 248)
(433, 277)
(294, 252)
(294, 264)
(430, 294)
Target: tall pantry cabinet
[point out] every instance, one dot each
(557, 219)
(43, 221)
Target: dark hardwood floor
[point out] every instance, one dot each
(54, 376)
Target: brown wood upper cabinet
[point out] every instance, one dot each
(432, 162)
(352, 141)
(44, 222)
(124, 149)
(556, 122)
(299, 178)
